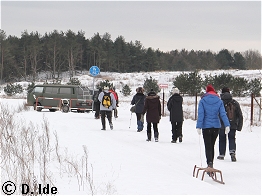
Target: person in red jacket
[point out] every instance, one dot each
(113, 91)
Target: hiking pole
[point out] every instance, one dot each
(130, 120)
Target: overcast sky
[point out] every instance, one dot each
(163, 25)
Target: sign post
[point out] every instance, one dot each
(163, 86)
(94, 71)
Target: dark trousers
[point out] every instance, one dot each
(210, 136)
(115, 113)
(138, 116)
(176, 130)
(223, 141)
(97, 108)
(156, 134)
(105, 114)
(140, 124)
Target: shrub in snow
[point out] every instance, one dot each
(184, 83)
(238, 86)
(103, 84)
(11, 89)
(151, 83)
(218, 81)
(255, 87)
(126, 90)
(74, 81)
(30, 87)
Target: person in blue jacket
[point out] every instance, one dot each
(210, 108)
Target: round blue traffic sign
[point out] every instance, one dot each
(94, 70)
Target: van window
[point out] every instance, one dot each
(79, 91)
(38, 89)
(65, 90)
(53, 90)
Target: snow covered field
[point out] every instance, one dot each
(83, 159)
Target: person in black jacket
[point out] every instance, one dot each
(235, 124)
(139, 101)
(97, 104)
(174, 105)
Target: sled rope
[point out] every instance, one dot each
(200, 150)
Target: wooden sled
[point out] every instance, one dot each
(212, 171)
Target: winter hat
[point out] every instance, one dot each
(140, 90)
(106, 88)
(100, 90)
(175, 90)
(225, 89)
(209, 88)
(151, 93)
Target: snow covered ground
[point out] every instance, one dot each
(121, 162)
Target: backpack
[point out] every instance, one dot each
(106, 100)
(115, 94)
(230, 110)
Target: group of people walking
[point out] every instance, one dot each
(151, 106)
(213, 120)
(213, 117)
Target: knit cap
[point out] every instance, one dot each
(225, 89)
(209, 88)
(175, 91)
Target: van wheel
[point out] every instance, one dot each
(65, 108)
(37, 109)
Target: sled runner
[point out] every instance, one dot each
(211, 172)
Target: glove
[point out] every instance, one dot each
(227, 129)
(199, 131)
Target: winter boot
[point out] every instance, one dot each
(221, 157)
(210, 164)
(180, 139)
(148, 136)
(111, 125)
(233, 157)
(156, 139)
(103, 127)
